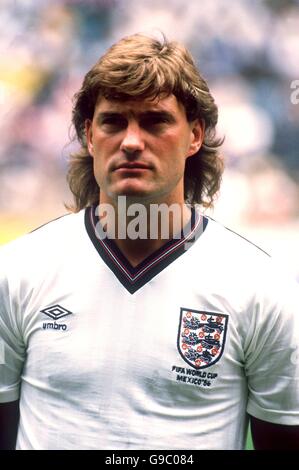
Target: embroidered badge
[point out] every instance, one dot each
(201, 337)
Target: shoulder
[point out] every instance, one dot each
(48, 240)
(227, 239)
(246, 265)
(60, 227)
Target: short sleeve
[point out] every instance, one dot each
(272, 353)
(12, 350)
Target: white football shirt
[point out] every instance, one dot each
(171, 354)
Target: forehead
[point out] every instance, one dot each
(168, 104)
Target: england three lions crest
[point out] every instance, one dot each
(201, 337)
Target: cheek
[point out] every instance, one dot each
(99, 167)
(179, 143)
(97, 171)
(101, 152)
(176, 153)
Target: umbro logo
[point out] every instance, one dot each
(56, 312)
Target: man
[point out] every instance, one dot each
(122, 332)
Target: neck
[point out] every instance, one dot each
(139, 230)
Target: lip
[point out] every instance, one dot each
(132, 166)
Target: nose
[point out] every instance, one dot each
(133, 140)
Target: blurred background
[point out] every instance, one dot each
(248, 50)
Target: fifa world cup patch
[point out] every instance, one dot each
(201, 337)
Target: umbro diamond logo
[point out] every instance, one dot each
(56, 312)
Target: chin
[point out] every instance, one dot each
(132, 191)
(135, 197)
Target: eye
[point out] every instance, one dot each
(153, 121)
(113, 123)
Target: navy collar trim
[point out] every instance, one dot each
(133, 278)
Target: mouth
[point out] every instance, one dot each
(132, 167)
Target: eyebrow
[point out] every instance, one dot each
(167, 116)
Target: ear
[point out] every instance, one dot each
(88, 133)
(197, 136)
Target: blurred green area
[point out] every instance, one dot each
(249, 443)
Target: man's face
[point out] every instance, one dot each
(140, 148)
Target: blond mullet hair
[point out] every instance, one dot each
(140, 67)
